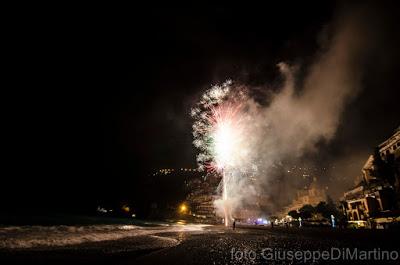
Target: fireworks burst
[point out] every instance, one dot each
(219, 134)
(216, 129)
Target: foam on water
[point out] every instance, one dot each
(21, 237)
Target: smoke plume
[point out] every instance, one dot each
(299, 117)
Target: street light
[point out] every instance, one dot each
(183, 208)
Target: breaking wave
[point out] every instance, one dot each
(22, 237)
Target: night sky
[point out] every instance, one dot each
(100, 98)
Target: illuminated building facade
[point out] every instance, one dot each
(310, 195)
(201, 197)
(376, 196)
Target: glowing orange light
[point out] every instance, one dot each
(183, 208)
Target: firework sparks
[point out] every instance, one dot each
(226, 135)
(218, 134)
(214, 128)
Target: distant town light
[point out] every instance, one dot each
(101, 209)
(125, 208)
